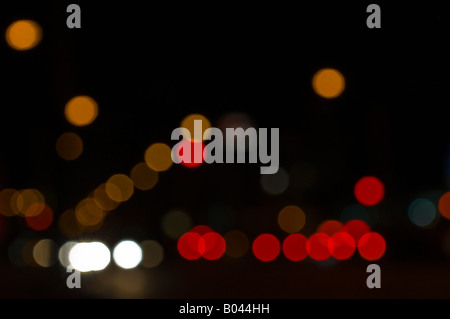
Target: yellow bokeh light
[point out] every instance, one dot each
(152, 253)
(45, 252)
(67, 224)
(23, 35)
(81, 110)
(102, 199)
(69, 146)
(88, 213)
(7, 206)
(237, 243)
(29, 202)
(188, 123)
(328, 83)
(158, 157)
(119, 187)
(291, 219)
(27, 253)
(143, 177)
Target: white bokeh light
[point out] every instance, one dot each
(92, 256)
(64, 251)
(127, 254)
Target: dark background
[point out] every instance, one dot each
(148, 66)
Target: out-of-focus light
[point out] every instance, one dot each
(88, 213)
(188, 245)
(291, 219)
(294, 247)
(93, 256)
(158, 157)
(67, 224)
(370, 215)
(275, 184)
(45, 252)
(143, 177)
(356, 228)
(266, 247)
(41, 221)
(119, 188)
(444, 205)
(176, 223)
(201, 229)
(69, 146)
(6, 207)
(81, 110)
(27, 253)
(237, 243)
(341, 245)
(201, 241)
(34, 209)
(317, 246)
(214, 246)
(29, 202)
(196, 147)
(152, 253)
(422, 212)
(328, 83)
(63, 254)
(330, 227)
(188, 123)
(102, 199)
(372, 246)
(23, 35)
(369, 190)
(127, 254)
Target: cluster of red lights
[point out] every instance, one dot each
(332, 239)
(201, 241)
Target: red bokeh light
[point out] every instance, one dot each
(356, 228)
(214, 246)
(372, 246)
(369, 191)
(201, 241)
(341, 245)
(330, 227)
(317, 246)
(41, 221)
(266, 247)
(189, 245)
(294, 247)
(195, 146)
(201, 229)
